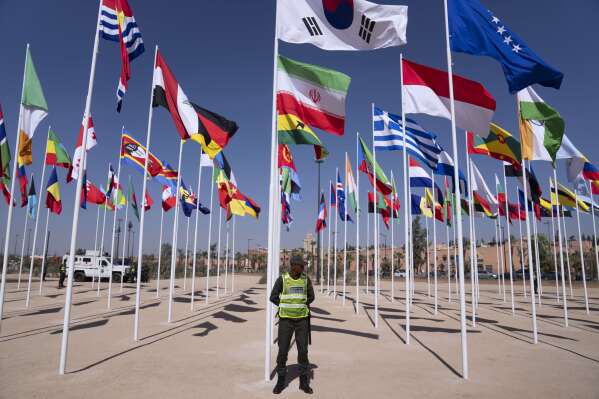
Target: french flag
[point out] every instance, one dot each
(418, 176)
(427, 92)
(590, 172)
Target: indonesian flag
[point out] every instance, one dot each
(168, 199)
(321, 222)
(427, 92)
(209, 129)
(90, 143)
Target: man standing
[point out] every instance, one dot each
(62, 270)
(293, 293)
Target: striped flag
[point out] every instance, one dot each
(89, 144)
(4, 160)
(53, 201)
(482, 194)
(367, 165)
(340, 188)
(118, 24)
(134, 155)
(32, 199)
(168, 199)
(321, 222)
(418, 176)
(351, 185)
(168, 176)
(388, 136)
(57, 154)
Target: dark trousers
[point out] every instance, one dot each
(61, 280)
(301, 328)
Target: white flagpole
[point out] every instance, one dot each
(498, 261)
(594, 228)
(186, 256)
(125, 244)
(226, 255)
(37, 217)
(455, 252)
(561, 252)
(329, 248)
(115, 192)
(448, 263)
(538, 263)
(8, 234)
(584, 279)
(376, 233)
(171, 289)
(567, 250)
(195, 235)
(533, 307)
(233, 257)
(454, 142)
(23, 245)
(159, 251)
(74, 228)
(208, 261)
(143, 212)
(522, 259)
(509, 240)
(272, 215)
(358, 214)
(501, 251)
(367, 247)
(336, 238)
(96, 241)
(345, 240)
(220, 224)
(322, 260)
(392, 247)
(101, 248)
(428, 273)
(407, 206)
(554, 253)
(44, 251)
(434, 242)
(473, 262)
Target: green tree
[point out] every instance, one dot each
(419, 241)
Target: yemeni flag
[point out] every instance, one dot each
(541, 127)
(352, 189)
(499, 144)
(4, 160)
(427, 92)
(211, 130)
(56, 155)
(168, 199)
(309, 96)
(33, 110)
(321, 222)
(367, 165)
(53, 201)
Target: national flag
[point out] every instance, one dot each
(420, 206)
(32, 199)
(475, 30)
(352, 189)
(342, 25)
(133, 153)
(168, 199)
(512, 170)
(233, 200)
(383, 206)
(418, 176)
(333, 196)
(56, 154)
(447, 204)
(110, 182)
(590, 171)
(89, 144)
(22, 176)
(395, 204)
(595, 187)
(501, 197)
(187, 199)
(4, 160)
(427, 92)
(568, 198)
(432, 203)
(92, 193)
(313, 95)
(321, 221)
(320, 153)
(445, 167)
(340, 188)
(290, 183)
(167, 176)
(33, 110)
(541, 127)
(53, 201)
(286, 218)
(285, 158)
(389, 134)
(117, 23)
(220, 162)
(148, 201)
(482, 194)
(210, 130)
(367, 165)
(499, 144)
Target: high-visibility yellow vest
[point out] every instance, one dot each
(293, 302)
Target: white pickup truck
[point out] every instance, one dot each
(92, 265)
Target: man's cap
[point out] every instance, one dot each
(297, 260)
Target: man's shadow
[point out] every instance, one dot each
(294, 372)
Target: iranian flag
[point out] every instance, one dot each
(309, 96)
(541, 127)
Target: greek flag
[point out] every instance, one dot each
(388, 136)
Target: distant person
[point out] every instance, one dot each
(293, 293)
(62, 270)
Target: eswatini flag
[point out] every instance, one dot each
(309, 96)
(427, 92)
(211, 130)
(321, 222)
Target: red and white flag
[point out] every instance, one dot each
(148, 202)
(427, 92)
(93, 194)
(168, 199)
(321, 222)
(90, 143)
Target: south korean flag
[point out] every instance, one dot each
(341, 24)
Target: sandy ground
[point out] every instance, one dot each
(217, 351)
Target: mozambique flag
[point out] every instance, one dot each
(53, 201)
(57, 154)
(367, 165)
(499, 144)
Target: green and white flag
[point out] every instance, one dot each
(351, 185)
(541, 127)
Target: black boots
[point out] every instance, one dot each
(305, 384)
(280, 385)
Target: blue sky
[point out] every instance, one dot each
(221, 53)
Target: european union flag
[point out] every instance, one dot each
(475, 30)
